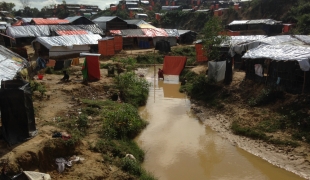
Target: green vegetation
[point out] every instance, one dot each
(211, 39)
(133, 90)
(150, 59)
(36, 86)
(187, 51)
(300, 14)
(259, 132)
(123, 122)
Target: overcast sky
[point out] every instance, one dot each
(41, 3)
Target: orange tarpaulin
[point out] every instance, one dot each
(173, 65)
(76, 32)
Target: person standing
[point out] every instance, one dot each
(160, 73)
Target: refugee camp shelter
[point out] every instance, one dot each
(146, 37)
(281, 66)
(108, 23)
(258, 26)
(59, 30)
(79, 20)
(17, 116)
(186, 36)
(91, 67)
(106, 46)
(72, 45)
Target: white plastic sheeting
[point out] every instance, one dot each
(282, 52)
(238, 44)
(28, 31)
(10, 64)
(68, 41)
(32, 175)
(216, 70)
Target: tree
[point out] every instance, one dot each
(211, 39)
(6, 6)
(25, 3)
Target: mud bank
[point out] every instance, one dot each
(296, 160)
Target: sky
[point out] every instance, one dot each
(41, 3)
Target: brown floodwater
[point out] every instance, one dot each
(179, 147)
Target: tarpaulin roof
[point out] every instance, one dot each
(135, 9)
(44, 30)
(26, 20)
(18, 23)
(41, 21)
(155, 32)
(10, 63)
(145, 2)
(135, 3)
(28, 31)
(68, 41)
(94, 28)
(181, 32)
(243, 43)
(169, 7)
(146, 26)
(132, 33)
(75, 32)
(282, 52)
(256, 21)
(104, 18)
(173, 65)
(172, 32)
(238, 22)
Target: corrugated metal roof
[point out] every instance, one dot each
(104, 18)
(41, 21)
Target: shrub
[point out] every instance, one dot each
(133, 90)
(123, 123)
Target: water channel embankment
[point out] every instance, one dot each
(180, 145)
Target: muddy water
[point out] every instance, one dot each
(179, 147)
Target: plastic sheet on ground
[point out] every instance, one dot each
(32, 175)
(28, 31)
(68, 41)
(282, 52)
(216, 70)
(10, 64)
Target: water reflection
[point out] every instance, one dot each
(179, 147)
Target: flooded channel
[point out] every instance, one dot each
(179, 147)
